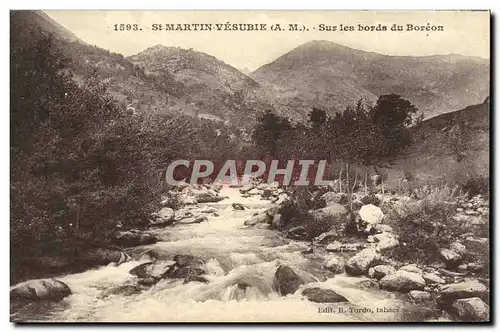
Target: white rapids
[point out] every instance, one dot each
(236, 254)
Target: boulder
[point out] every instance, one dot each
(209, 197)
(472, 309)
(432, 279)
(101, 256)
(193, 220)
(320, 295)
(298, 232)
(124, 290)
(385, 241)
(411, 268)
(333, 214)
(326, 238)
(131, 239)
(459, 248)
(188, 200)
(156, 270)
(451, 292)
(418, 297)
(40, 290)
(254, 192)
(166, 214)
(246, 188)
(402, 281)
(369, 216)
(334, 264)
(286, 281)
(260, 218)
(282, 198)
(362, 261)
(380, 271)
(449, 256)
(334, 198)
(238, 206)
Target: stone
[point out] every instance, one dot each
(238, 206)
(298, 232)
(402, 281)
(286, 281)
(320, 295)
(124, 290)
(369, 216)
(332, 197)
(411, 268)
(380, 271)
(246, 188)
(385, 241)
(472, 309)
(362, 261)
(40, 290)
(449, 256)
(101, 256)
(432, 278)
(130, 239)
(156, 270)
(381, 228)
(458, 247)
(418, 297)
(326, 238)
(334, 214)
(282, 198)
(335, 246)
(166, 214)
(260, 218)
(451, 292)
(193, 220)
(334, 264)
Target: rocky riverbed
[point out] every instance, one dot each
(221, 258)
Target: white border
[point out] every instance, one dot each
(190, 4)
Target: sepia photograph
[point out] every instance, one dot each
(249, 166)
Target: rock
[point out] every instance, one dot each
(380, 271)
(131, 239)
(449, 256)
(101, 256)
(385, 241)
(238, 206)
(277, 223)
(298, 232)
(193, 220)
(418, 297)
(40, 290)
(402, 281)
(155, 270)
(432, 278)
(476, 267)
(167, 215)
(367, 284)
(320, 295)
(246, 188)
(254, 192)
(362, 261)
(357, 205)
(327, 237)
(282, 198)
(472, 213)
(261, 218)
(334, 198)
(344, 247)
(334, 246)
(124, 290)
(411, 268)
(209, 197)
(273, 210)
(451, 292)
(286, 281)
(381, 228)
(147, 281)
(333, 214)
(334, 264)
(472, 309)
(188, 200)
(369, 216)
(459, 248)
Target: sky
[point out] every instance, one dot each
(465, 32)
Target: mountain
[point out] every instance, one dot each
(29, 20)
(451, 147)
(331, 76)
(204, 82)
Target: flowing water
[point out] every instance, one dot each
(236, 254)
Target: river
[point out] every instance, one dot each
(235, 253)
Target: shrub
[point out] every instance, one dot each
(423, 228)
(477, 185)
